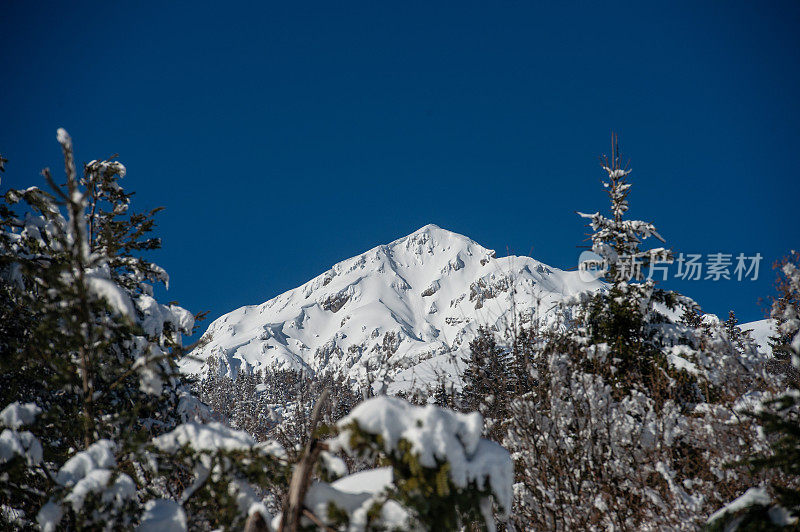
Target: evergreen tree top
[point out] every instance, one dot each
(616, 239)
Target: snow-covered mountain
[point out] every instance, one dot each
(418, 301)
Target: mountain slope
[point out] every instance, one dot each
(418, 301)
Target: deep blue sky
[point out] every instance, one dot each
(284, 137)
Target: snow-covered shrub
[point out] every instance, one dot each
(92, 492)
(438, 474)
(231, 475)
(630, 435)
(775, 504)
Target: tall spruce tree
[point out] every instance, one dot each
(90, 350)
(630, 420)
(626, 317)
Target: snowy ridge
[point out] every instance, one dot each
(420, 298)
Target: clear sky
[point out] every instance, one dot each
(283, 137)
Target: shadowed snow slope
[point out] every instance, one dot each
(418, 300)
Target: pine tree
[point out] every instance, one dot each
(93, 353)
(615, 238)
(441, 397)
(631, 414)
(626, 316)
(735, 334)
(489, 380)
(692, 317)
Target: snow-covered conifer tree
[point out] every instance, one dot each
(89, 374)
(616, 239)
(630, 422)
(489, 381)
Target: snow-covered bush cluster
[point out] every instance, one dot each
(631, 435)
(442, 469)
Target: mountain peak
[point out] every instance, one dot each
(429, 228)
(422, 297)
(433, 239)
(435, 231)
